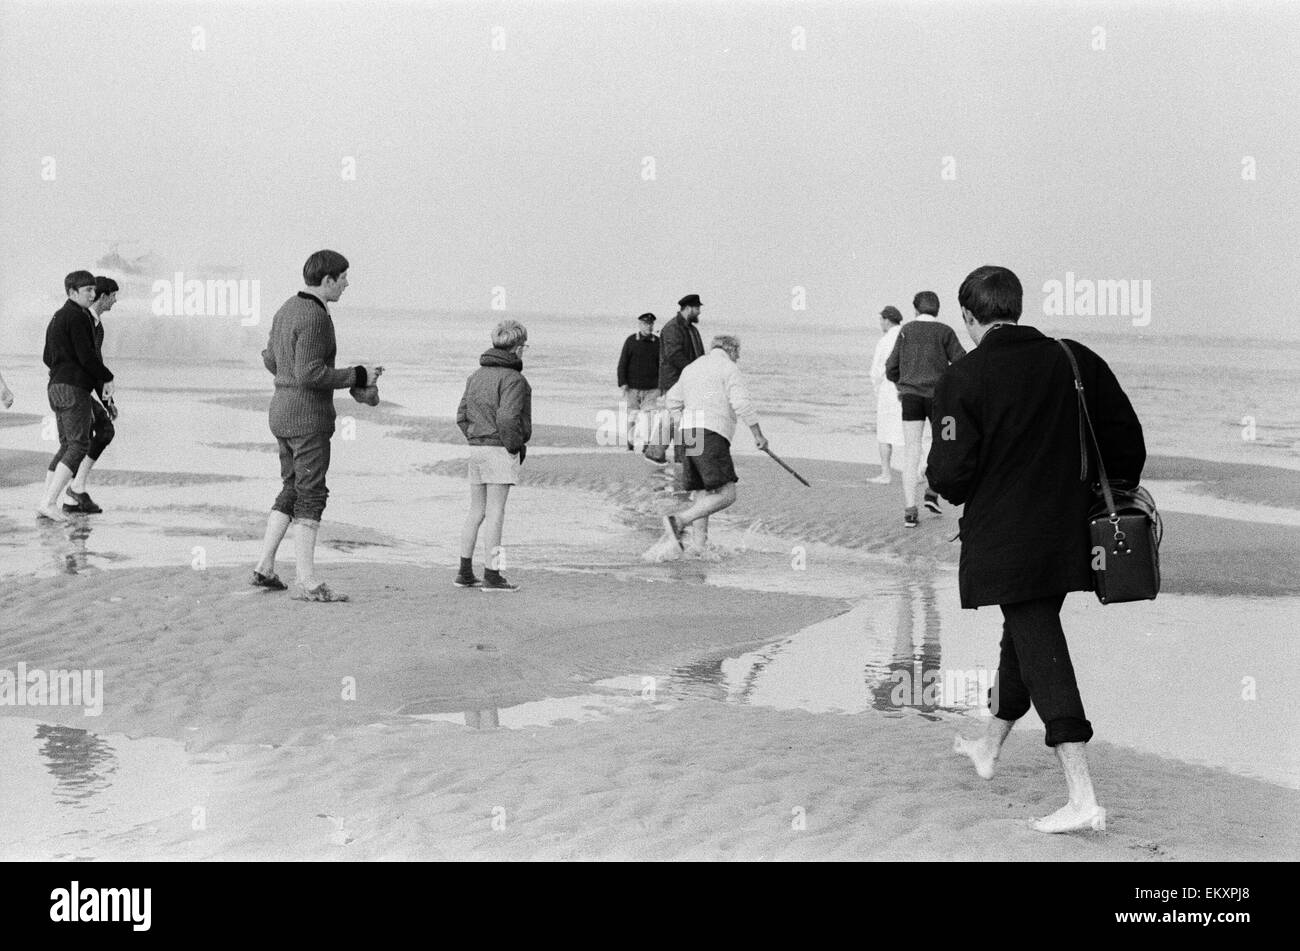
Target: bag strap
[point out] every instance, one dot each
(1084, 416)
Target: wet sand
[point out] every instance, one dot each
(284, 766)
(248, 688)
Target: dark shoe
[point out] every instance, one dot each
(630, 447)
(932, 503)
(83, 504)
(464, 580)
(271, 581)
(909, 518)
(499, 583)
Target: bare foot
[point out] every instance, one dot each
(53, 512)
(881, 480)
(1072, 818)
(979, 753)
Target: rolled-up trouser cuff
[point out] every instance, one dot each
(102, 434)
(74, 419)
(1068, 730)
(304, 462)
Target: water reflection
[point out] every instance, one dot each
(884, 654)
(81, 762)
(912, 677)
(486, 719)
(65, 544)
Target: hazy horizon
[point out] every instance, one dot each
(902, 146)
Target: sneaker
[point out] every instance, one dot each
(82, 503)
(321, 592)
(466, 580)
(932, 503)
(909, 518)
(673, 529)
(499, 583)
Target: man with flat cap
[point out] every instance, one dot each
(638, 376)
(679, 345)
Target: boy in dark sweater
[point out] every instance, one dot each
(76, 370)
(923, 351)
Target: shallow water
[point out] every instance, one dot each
(65, 788)
(1170, 677)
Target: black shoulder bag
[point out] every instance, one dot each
(1123, 524)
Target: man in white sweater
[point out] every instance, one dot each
(711, 396)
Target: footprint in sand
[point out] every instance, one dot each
(340, 835)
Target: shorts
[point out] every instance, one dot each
(492, 465)
(708, 464)
(915, 408)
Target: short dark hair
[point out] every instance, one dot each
(76, 280)
(991, 293)
(892, 314)
(926, 302)
(321, 265)
(105, 285)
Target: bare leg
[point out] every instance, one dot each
(984, 750)
(700, 533)
(911, 459)
(706, 503)
(277, 523)
(469, 533)
(83, 473)
(1082, 811)
(49, 506)
(886, 453)
(494, 522)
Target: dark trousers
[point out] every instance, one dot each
(75, 417)
(101, 434)
(304, 460)
(1035, 667)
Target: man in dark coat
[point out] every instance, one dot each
(679, 345)
(1006, 445)
(638, 376)
(680, 342)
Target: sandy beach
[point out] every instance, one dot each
(610, 709)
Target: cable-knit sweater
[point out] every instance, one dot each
(301, 353)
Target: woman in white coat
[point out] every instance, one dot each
(889, 412)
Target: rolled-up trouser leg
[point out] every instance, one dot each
(102, 431)
(304, 489)
(74, 418)
(1034, 628)
(288, 494)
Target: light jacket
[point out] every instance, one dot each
(884, 347)
(711, 395)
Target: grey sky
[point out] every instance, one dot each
(775, 167)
